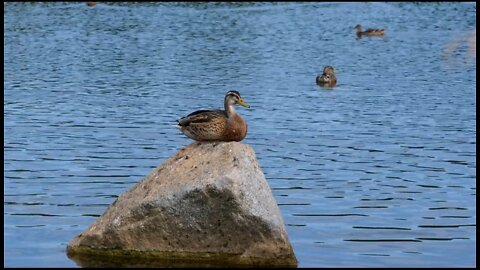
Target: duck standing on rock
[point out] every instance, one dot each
(216, 125)
(328, 77)
(368, 32)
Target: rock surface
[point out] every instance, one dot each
(209, 203)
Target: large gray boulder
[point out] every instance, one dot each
(207, 205)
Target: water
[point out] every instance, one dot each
(378, 172)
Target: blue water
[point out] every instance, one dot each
(379, 171)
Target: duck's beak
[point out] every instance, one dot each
(243, 103)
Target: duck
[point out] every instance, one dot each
(91, 4)
(327, 78)
(216, 125)
(369, 31)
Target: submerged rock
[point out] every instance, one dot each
(207, 205)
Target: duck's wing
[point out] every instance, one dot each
(371, 30)
(201, 116)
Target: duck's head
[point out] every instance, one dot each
(328, 70)
(358, 27)
(233, 97)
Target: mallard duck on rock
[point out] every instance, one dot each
(216, 125)
(327, 78)
(369, 31)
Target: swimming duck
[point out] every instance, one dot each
(216, 125)
(91, 4)
(368, 32)
(328, 77)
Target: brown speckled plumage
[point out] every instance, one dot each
(327, 78)
(368, 32)
(216, 125)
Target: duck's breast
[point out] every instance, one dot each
(236, 129)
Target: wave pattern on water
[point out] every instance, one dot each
(379, 171)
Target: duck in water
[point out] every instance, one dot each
(327, 78)
(368, 32)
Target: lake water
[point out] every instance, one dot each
(379, 171)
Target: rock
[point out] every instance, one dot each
(207, 205)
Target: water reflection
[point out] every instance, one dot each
(455, 52)
(128, 261)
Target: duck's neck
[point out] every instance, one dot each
(230, 109)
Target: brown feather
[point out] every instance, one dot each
(214, 125)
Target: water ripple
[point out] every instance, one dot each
(379, 171)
